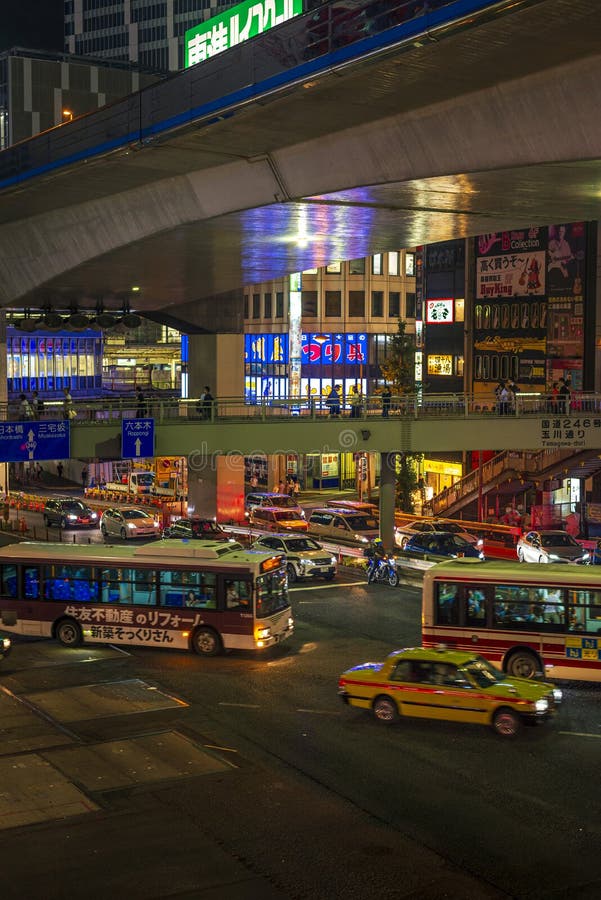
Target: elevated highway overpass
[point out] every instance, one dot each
(276, 157)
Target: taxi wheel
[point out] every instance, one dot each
(123, 533)
(385, 710)
(506, 723)
(522, 664)
(68, 633)
(206, 642)
(292, 576)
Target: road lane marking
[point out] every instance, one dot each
(326, 587)
(242, 705)
(580, 734)
(319, 712)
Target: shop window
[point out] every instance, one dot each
(334, 268)
(356, 304)
(309, 304)
(357, 266)
(409, 264)
(409, 305)
(333, 304)
(376, 264)
(393, 263)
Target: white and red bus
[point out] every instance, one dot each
(206, 596)
(525, 618)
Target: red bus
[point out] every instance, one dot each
(205, 596)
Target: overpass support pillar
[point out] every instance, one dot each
(216, 483)
(387, 498)
(4, 485)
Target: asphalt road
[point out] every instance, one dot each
(311, 799)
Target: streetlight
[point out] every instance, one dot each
(68, 115)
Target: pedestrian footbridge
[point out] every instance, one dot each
(412, 424)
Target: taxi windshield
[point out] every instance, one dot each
(482, 672)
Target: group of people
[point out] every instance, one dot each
(33, 408)
(560, 396)
(356, 401)
(506, 393)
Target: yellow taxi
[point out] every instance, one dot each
(458, 686)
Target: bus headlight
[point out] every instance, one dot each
(262, 634)
(541, 705)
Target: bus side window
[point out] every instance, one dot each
(447, 610)
(9, 581)
(31, 579)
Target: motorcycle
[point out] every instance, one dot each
(382, 570)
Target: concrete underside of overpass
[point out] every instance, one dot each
(200, 441)
(488, 127)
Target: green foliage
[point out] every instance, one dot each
(406, 480)
(399, 366)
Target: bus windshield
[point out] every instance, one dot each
(272, 593)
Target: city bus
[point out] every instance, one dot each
(205, 596)
(528, 619)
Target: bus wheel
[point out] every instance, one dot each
(292, 576)
(506, 723)
(68, 633)
(385, 710)
(206, 642)
(522, 664)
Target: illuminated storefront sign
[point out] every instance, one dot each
(439, 311)
(266, 348)
(334, 348)
(440, 365)
(236, 25)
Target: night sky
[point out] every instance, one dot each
(35, 24)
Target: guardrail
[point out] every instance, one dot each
(236, 409)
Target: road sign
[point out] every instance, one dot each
(137, 438)
(33, 441)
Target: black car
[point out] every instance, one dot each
(197, 528)
(69, 513)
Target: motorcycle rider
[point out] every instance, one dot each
(378, 554)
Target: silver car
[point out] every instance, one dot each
(551, 547)
(305, 557)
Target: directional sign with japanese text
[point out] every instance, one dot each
(571, 431)
(31, 441)
(137, 438)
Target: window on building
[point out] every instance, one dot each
(246, 308)
(410, 264)
(393, 263)
(376, 264)
(377, 303)
(279, 305)
(357, 266)
(356, 304)
(256, 306)
(333, 304)
(267, 306)
(459, 310)
(409, 305)
(334, 268)
(394, 305)
(309, 304)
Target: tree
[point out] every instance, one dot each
(398, 369)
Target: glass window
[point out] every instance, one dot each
(309, 304)
(393, 263)
(279, 305)
(584, 611)
(246, 308)
(410, 305)
(77, 584)
(357, 266)
(9, 581)
(237, 594)
(410, 264)
(447, 606)
(267, 306)
(256, 306)
(334, 268)
(475, 607)
(376, 264)
(377, 303)
(333, 304)
(394, 305)
(518, 606)
(193, 589)
(356, 304)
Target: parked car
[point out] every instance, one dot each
(305, 557)
(454, 685)
(361, 506)
(402, 533)
(551, 547)
(197, 528)
(68, 512)
(442, 543)
(129, 522)
(344, 524)
(269, 498)
(273, 518)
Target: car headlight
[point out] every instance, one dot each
(71, 517)
(5, 643)
(303, 514)
(541, 705)
(479, 542)
(557, 695)
(334, 560)
(131, 525)
(586, 556)
(93, 515)
(359, 537)
(305, 562)
(553, 556)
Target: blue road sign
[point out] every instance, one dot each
(137, 438)
(31, 441)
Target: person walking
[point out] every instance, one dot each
(59, 470)
(25, 410)
(206, 403)
(564, 397)
(386, 400)
(333, 402)
(68, 408)
(37, 405)
(355, 400)
(141, 408)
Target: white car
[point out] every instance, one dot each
(551, 547)
(403, 533)
(129, 522)
(305, 557)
